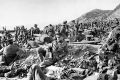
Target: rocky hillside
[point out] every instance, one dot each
(93, 15)
(98, 14)
(114, 13)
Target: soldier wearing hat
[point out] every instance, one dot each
(36, 29)
(80, 36)
(115, 29)
(114, 38)
(58, 48)
(9, 52)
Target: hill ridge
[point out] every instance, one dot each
(98, 14)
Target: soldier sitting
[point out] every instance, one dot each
(9, 53)
(59, 50)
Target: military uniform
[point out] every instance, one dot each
(9, 53)
(3, 40)
(59, 50)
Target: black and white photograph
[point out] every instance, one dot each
(59, 39)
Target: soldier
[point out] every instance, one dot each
(80, 36)
(9, 52)
(36, 73)
(37, 30)
(59, 50)
(21, 37)
(114, 38)
(3, 39)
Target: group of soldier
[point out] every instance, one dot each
(56, 45)
(51, 50)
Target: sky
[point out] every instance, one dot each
(45, 12)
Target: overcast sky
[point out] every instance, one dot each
(44, 12)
